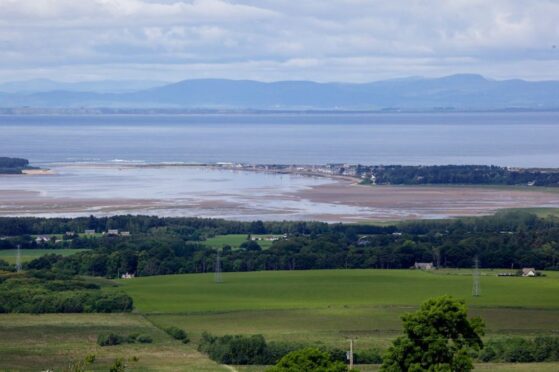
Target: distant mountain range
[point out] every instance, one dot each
(102, 86)
(456, 92)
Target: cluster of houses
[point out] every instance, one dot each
(269, 238)
(110, 232)
(525, 272)
(72, 234)
(333, 169)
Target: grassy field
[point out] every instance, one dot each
(326, 307)
(329, 305)
(9, 255)
(53, 341)
(235, 240)
(320, 307)
(287, 290)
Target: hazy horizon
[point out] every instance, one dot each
(166, 82)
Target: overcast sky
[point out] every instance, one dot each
(321, 40)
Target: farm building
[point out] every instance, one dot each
(423, 265)
(42, 239)
(529, 271)
(89, 232)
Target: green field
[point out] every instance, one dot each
(329, 305)
(320, 307)
(9, 255)
(287, 290)
(235, 240)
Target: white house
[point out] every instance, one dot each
(42, 239)
(529, 271)
(423, 265)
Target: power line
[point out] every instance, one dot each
(18, 258)
(217, 274)
(476, 290)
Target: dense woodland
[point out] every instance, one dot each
(49, 291)
(160, 246)
(460, 174)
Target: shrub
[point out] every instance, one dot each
(178, 334)
(521, 350)
(371, 356)
(236, 349)
(518, 350)
(109, 339)
(118, 366)
(90, 358)
(144, 339)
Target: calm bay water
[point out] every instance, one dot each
(509, 139)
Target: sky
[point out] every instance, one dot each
(270, 40)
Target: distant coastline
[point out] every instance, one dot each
(100, 111)
(444, 175)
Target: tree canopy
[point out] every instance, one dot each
(438, 337)
(310, 360)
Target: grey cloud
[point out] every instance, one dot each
(349, 40)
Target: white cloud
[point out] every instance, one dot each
(357, 40)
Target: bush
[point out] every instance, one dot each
(178, 334)
(118, 366)
(144, 339)
(90, 358)
(109, 339)
(250, 350)
(236, 349)
(521, 350)
(372, 356)
(131, 338)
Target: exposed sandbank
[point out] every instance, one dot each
(339, 200)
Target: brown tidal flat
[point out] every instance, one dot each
(341, 200)
(413, 202)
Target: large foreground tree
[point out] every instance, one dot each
(438, 337)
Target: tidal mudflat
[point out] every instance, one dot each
(108, 189)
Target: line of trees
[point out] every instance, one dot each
(169, 246)
(460, 174)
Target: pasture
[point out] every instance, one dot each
(327, 306)
(320, 307)
(53, 341)
(9, 255)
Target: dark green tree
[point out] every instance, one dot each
(438, 337)
(310, 360)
